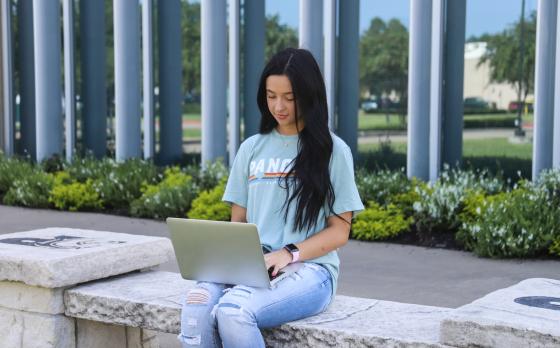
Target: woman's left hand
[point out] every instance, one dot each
(277, 259)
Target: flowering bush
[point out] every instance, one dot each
(382, 185)
(440, 203)
(12, 169)
(520, 223)
(30, 190)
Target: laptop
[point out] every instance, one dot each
(222, 252)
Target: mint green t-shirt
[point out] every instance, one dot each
(253, 184)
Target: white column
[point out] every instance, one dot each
(544, 85)
(436, 87)
(213, 66)
(419, 89)
(311, 28)
(69, 94)
(148, 78)
(7, 80)
(233, 79)
(556, 136)
(127, 78)
(330, 63)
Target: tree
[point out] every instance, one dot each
(278, 36)
(384, 58)
(503, 55)
(190, 35)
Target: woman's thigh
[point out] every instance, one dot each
(302, 294)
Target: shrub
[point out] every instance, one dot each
(555, 247)
(381, 185)
(520, 223)
(68, 194)
(171, 197)
(123, 183)
(12, 169)
(208, 176)
(209, 206)
(440, 203)
(30, 190)
(378, 222)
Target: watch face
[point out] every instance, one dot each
(292, 248)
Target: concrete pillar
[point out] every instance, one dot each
(544, 85)
(348, 73)
(26, 70)
(69, 93)
(7, 74)
(419, 89)
(1, 87)
(436, 88)
(48, 94)
(127, 78)
(233, 79)
(148, 78)
(170, 77)
(330, 62)
(253, 63)
(311, 28)
(452, 131)
(94, 85)
(213, 64)
(556, 135)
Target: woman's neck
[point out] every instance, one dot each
(288, 130)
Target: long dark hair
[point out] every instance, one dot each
(312, 187)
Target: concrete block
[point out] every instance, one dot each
(524, 315)
(32, 330)
(17, 295)
(57, 257)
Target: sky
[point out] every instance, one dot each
(483, 16)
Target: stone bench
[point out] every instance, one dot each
(69, 288)
(152, 300)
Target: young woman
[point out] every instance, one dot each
(295, 181)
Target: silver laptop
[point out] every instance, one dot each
(221, 252)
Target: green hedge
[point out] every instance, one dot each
(483, 212)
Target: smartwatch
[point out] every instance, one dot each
(294, 251)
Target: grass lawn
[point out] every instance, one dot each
(494, 147)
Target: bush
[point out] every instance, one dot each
(378, 222)
(123, 183)
(381, 186)
(209, 206)
(30, 190)
(440, 203)
(209, 176)
(171, 197)
(520, 223)
(555, 247)
(68, 194)
(12, 169)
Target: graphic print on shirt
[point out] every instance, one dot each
(269, 169)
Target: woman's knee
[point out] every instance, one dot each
(234, 308)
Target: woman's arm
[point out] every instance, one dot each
(334, 236)
(238, 213)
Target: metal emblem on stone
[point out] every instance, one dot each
(61, 242)
(540, 302)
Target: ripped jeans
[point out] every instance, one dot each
(215, 314)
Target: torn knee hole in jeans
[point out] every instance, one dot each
(198, 296)
(194, 340)
(240, 291)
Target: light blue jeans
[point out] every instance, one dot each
(215, 314)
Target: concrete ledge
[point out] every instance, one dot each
(152, 300)
(57, 257)
(524, 315)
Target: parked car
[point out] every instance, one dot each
(514, 105)
(475, 104)
(369, 105)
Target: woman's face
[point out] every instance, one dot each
(281, 104)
